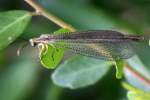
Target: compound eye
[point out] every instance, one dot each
(32, 43)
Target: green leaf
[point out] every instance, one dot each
(136, 94)
(12, 24)
(119, 68)
(51, 56)
(61, 31)
(80, 71)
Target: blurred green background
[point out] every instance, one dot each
(23, 78)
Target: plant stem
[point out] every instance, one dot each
(41, 11)
(138, 75)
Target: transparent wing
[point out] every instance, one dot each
(102, 44)
(94, 36)
(105, 50)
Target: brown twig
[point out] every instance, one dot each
(41, 11)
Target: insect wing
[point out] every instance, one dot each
(95, 36)
(105, 50)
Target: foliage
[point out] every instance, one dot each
(136, 94)
(21, 77)
(12, 25)
(79, 72)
